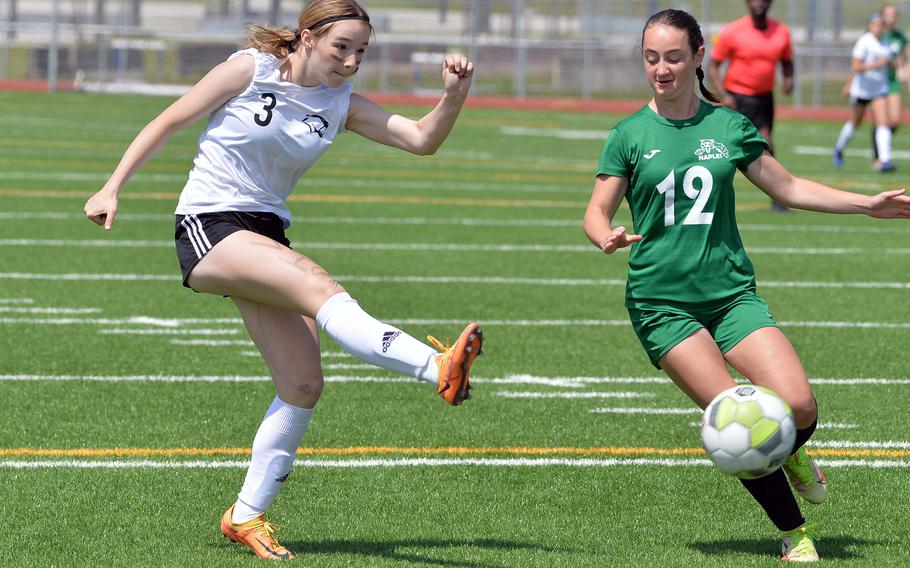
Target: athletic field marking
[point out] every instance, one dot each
(459, 247)
(117, 331)
(821, 426)
(524, 380)
(422, 462)
(404, 221)
(213, 342)
(565, 134)
(587, 394)
(64, 311)
(348, 367)
(658, 411)
(8, 301)
(837, 426)
(425, 451)
(857, 152)
(859, 444)
(530, 186)
(491, 280)
(334, 198)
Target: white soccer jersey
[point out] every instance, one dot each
(257, 145)
(873, 83)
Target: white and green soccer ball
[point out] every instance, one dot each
(748, 431)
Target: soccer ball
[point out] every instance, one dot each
(748, 431)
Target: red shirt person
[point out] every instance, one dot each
(753, 45)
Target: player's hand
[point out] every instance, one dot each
(894, 204)
(618, 239)
(788, 85)
(101, 208)
(456, 75)
(728, 101)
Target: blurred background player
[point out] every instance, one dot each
(274, 109)
(691, 289)
(897, 76)
(869, 89)
(753, 45)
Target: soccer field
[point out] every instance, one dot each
(128, 403)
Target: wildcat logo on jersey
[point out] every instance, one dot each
(711, 150)
(316, 124)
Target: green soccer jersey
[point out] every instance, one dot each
(680, 191)
(895, 40)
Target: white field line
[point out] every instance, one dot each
(434, 247)
(889, 445)
(654, 411)
(119, 331)
(63, 311)
(504, 323)
(480, 280)
(521, 187)
(837, 426)
(821, 426)
(348, 367)
(418, 462)
(562, 133)
(405, 221)
(587, 394)
(857, 152)
(567, 382)
(8, 301)
(500, 323)
(213, 342)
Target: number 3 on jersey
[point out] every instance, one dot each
(267, 108)
(667, 188)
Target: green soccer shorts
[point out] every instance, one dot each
(660, 328)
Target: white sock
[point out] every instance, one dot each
(846, 133)
(883, 143)
(274, 448)
(367, 338)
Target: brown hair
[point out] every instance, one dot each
(684, 21)
(318, 16)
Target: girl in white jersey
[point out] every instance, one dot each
(274, 108)
(869, 87)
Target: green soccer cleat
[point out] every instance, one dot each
(797, 545)
(806, 477)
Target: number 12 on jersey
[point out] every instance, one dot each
(667, 188)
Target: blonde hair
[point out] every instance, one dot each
(318, 16)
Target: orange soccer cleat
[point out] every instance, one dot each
(455, 363)
(255, 534)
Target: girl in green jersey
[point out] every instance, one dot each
(691, 288)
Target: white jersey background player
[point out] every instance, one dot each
(869, 87)
(274, 109)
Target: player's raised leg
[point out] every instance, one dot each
(248, 265)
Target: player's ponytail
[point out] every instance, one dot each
(700, 75)
(318, 17)
(280, 42)
(682, 20)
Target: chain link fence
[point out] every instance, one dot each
(558, 48)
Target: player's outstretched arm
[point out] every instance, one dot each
(226, 80)
(605, 199)
(800, 193)
(424, 136)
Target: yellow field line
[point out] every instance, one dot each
(384, 450)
